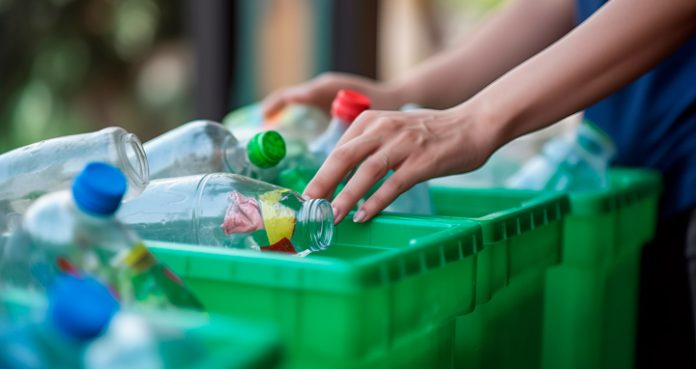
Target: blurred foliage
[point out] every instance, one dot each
(72, 66)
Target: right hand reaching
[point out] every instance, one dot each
(320, 92)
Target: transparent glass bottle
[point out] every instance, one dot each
(203, 146)
(230, 210)
(75, 232)
(28, 172)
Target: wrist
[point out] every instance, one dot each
(488, 123)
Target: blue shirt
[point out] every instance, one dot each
(653, 120)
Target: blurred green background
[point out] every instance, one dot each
(71, 66)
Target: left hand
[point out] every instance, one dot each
(416, 145)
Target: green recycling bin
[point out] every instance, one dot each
(522, 237)
(385, 294)
(591, 307)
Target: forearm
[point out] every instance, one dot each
(616, 45)
(516, 32)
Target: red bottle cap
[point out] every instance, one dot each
(348, 105)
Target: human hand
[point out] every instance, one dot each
(417, 146)
(321, 91)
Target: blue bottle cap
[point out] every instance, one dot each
(99, 188)
(81, 307)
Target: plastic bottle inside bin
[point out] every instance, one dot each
(346, 106)
(75, 232)
(303, 160)
(28, 172)
(230, 210)
(202, 147)
(569, 165)
(79, 310)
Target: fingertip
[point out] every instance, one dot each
(360, 216)
(338, 214)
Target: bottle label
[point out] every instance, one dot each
(138, 258)
(283, 245)
(65, 266)
(278, 219)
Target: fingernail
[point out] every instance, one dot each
(336, 214)
(360, 216)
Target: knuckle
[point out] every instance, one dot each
(346, 196)
(410, 135)
(375, 167)
(384, 123)
(397, 184)
(342, 154)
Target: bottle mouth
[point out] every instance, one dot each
(317, 224)
(135, 166)
(230, 155)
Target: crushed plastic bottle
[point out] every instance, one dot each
(202, 147)
(230, 210)
(75, 232)
(569, 165)
(31, 171)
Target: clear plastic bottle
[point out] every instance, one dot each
(296, 122)
(202, 147)
(303, 160)
(28, 172)
(346, 106)
(230, 210)
(79, 310)
(569, 165)
(75, 232)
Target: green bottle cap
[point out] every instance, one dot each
(266, 149)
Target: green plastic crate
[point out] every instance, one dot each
(385, 294)
(226, 343)
(522, 237)
(591, 307)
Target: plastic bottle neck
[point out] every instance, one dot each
(325, 143)
(595, 143)
(233, 155)
(315, 226)
(133, 162)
